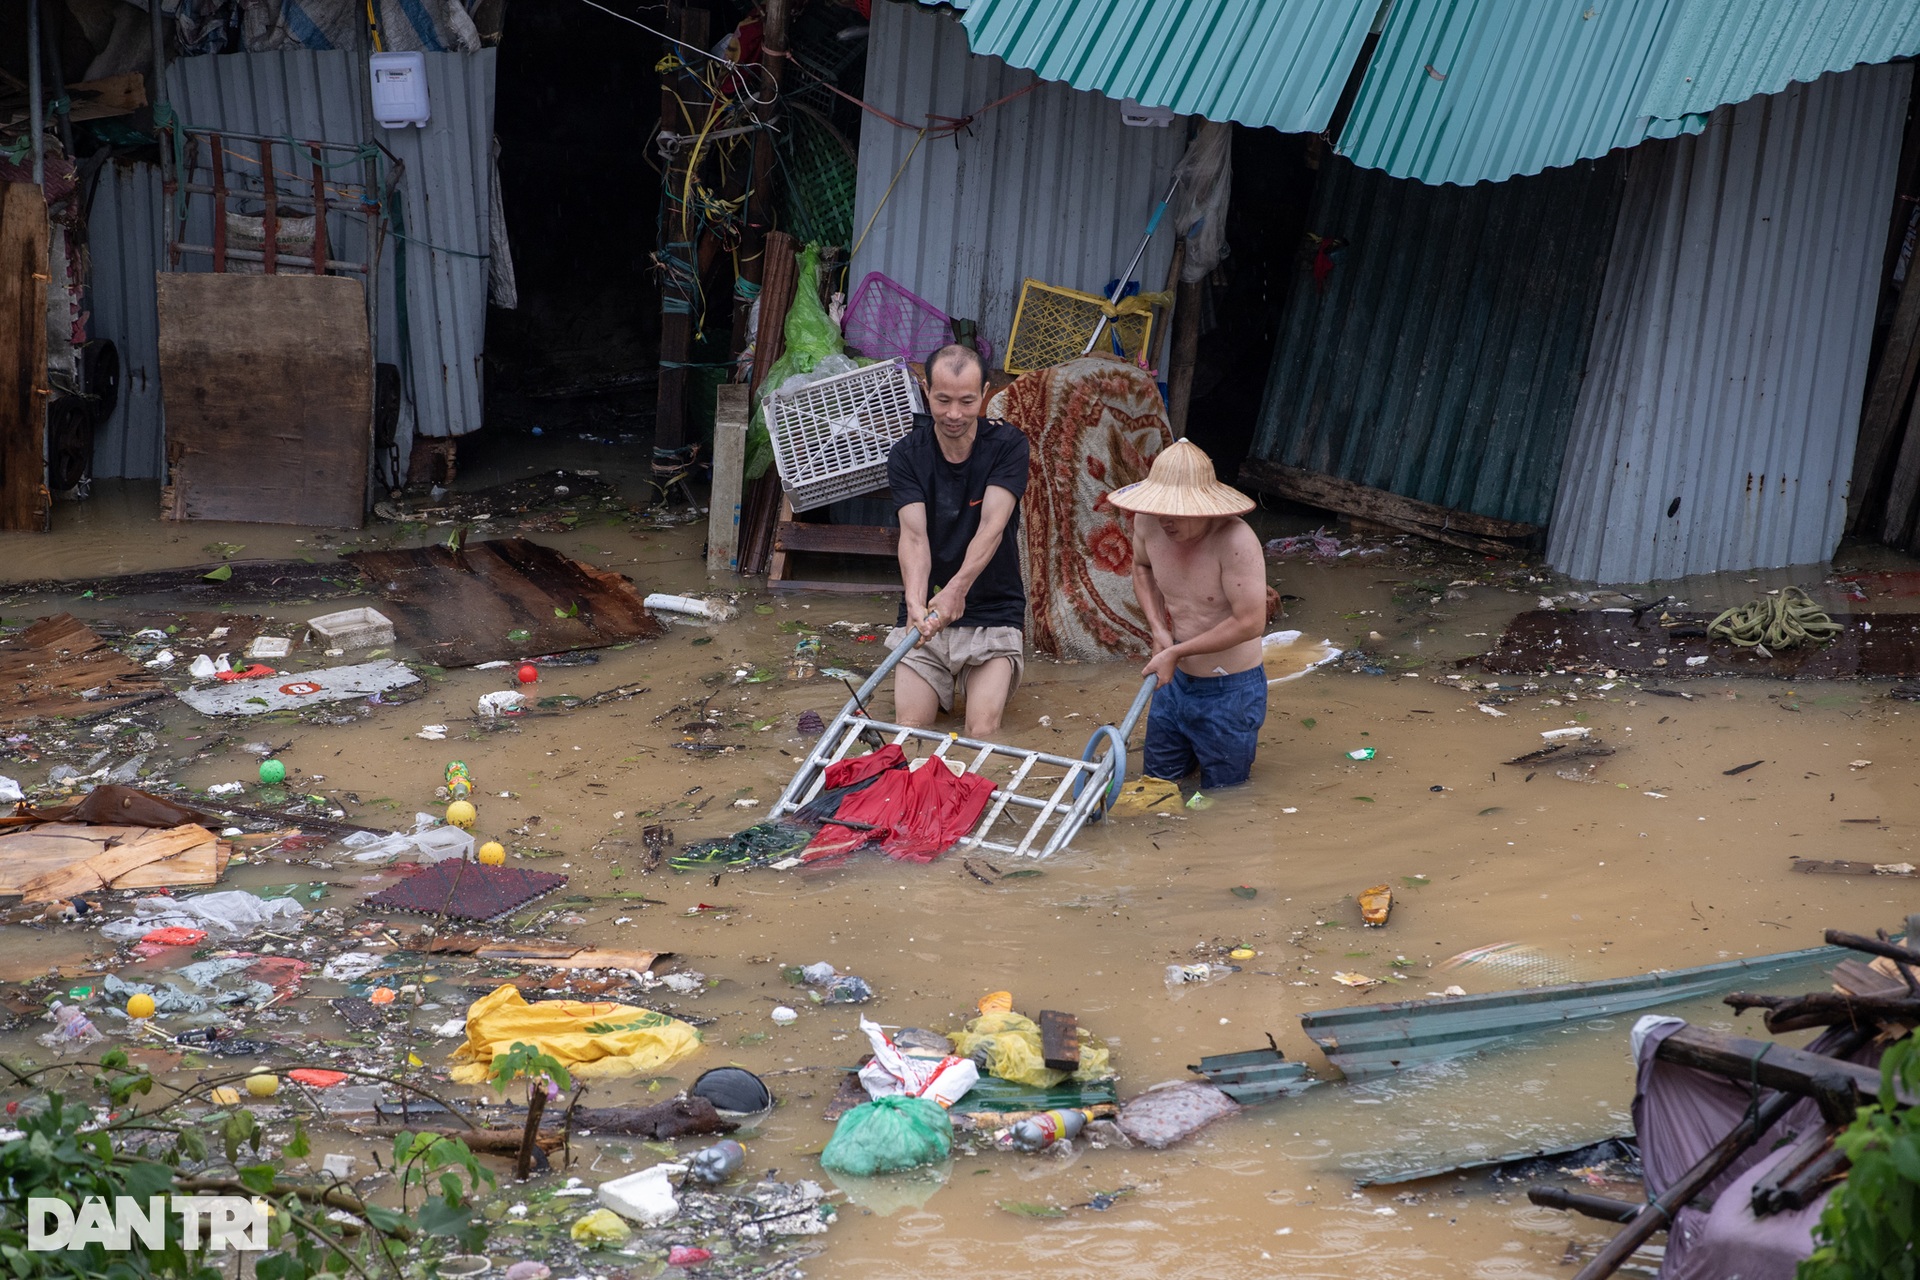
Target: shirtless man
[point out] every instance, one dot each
(1201, 579)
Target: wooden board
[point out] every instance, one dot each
(729, 461)
(1463, 529)
(46, 671)
(1846, 867)
(1059, 1040)
(59, 859)
(24, 501)
(267, 383)
(461, 608)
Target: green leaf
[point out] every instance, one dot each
(257, 1178)
(1308, 722)
(1244, 891)
(1414, 882)
(383, 1218)
(1364, 799)
(1491, 809)
(221, 574)
(518, 634)
(299, 1147)
(703, 640)
(1027, 1209)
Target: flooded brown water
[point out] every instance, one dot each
(1655, 860)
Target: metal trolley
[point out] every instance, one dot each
(1066, 794)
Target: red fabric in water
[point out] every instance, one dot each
(913, 816)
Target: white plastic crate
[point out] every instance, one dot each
(831, 437)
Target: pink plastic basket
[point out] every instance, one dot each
(887, 321)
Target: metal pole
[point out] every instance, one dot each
(36, 119)
(1120, 285)
(50, 39)
(157, 36)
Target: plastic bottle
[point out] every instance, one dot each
(70, 1027)
(1179, 973)
(1037, 1133)
(715, 1164)
(459, 781)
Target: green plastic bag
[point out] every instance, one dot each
(887, 1135)
(812, 336)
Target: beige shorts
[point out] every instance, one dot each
(945, 660)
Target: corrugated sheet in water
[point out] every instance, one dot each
(1716, 426)
(1442, 361)
(1052, 185)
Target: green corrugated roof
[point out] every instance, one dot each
(1729, 50)
(1278, 63)
(1467, 90)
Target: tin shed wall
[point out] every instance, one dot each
(1716, 427)
(1052, 185)
(123, 240)
(1441, 360)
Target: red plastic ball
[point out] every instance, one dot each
(528, 673)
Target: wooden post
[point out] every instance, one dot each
(24, 501)
(1892, 385)
(753, 262)
(1186, 350)
(679, 282)
(729, 461)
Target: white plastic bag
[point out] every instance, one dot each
(943, 1080)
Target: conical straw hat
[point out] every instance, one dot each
(1181, 484)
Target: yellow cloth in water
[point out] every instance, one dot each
(1145, 795)
(602, 1226)
(589, 1038)
(1014, 1051)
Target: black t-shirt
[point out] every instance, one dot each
(953, 493)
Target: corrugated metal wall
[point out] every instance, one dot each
(1051, 185)
(1442, 360)
(1717, 424)
(445, 184)
(124, 242)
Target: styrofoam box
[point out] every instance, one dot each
(353, 628)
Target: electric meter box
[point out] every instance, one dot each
(400, 89)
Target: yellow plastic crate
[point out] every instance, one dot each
(1051, 326)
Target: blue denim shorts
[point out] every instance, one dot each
(1207, 722)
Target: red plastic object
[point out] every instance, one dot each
(685, 1255)
(317, 1077)
(176, 937)
(253, 672)
(528, 673)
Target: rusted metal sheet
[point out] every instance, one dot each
(502, 600)
(1590, 641)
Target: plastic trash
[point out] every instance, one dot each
(202, 667)
(504, 703)
(1180, 974)
(601, 1227)
(1037, 1133)
(646, 1197)
(161, 660)
(896, 1069)
(628, 1040)
(686, 1255)
(715, 1164)
(72, 1029)
(351, 965)
(529, 1271)
(784, 1015)
(10, 792)
(1362, 753)
(834, 987)
(175, 937)
(337, 1165)
(229, 915)
(691, 606)
(889, 1134)
(733, 1091)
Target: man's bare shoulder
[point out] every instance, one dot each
(1235, 538)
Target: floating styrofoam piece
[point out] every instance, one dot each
(1578, 733)
(692, 606)
(308, 688)
(646, 1197)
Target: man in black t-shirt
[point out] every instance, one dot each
(957, 480)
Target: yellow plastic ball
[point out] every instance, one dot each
(493, 853)
(140, 1006)
(263, 1085)
(462, 815)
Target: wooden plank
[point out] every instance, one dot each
(1348, 498)
(1846, 867)
(1059, 1040)
(267, 383)
(840, 539)
(1892, 386)
(59, 859)
(730, 414)
(25, 505)
(777, 564)
(49, 670)
(834, 587)
(502, 599)
(1772, 1064)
